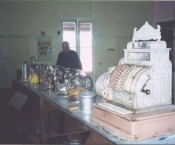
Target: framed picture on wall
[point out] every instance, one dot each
(44, 49)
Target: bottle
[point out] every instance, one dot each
(25, 71)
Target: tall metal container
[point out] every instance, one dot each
(86, 100)
(25, 71)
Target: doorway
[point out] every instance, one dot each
(167, 30)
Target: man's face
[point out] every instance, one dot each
(65, 46)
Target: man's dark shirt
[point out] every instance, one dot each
(69, 60)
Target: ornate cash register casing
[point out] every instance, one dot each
(141, 85)
(143, 77)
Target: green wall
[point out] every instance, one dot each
(114, 23)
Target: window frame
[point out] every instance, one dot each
(77, 22)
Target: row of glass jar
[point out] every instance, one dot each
(53, 77)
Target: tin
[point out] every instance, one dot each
(86, 100)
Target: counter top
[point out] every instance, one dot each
(72, 109)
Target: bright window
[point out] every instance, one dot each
(69, 34)
(82, 34)
(86, 46)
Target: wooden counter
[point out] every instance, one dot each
(72, 123)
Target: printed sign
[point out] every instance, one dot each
(44, 48)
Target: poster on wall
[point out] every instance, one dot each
(44, 48)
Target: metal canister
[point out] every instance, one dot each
(86, 100)
(25, 71)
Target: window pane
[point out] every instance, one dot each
(86, 46)
(86, 58)
(69, 34)
(85, 35)
(84, 39)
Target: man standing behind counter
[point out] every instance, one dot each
(68, 58)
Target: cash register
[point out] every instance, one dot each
(136, 94)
